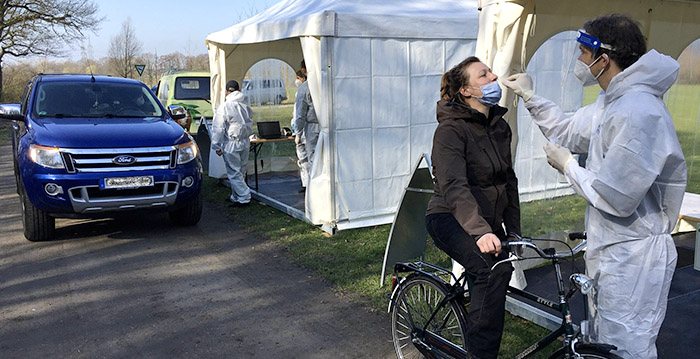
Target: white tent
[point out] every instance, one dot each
(374, 74)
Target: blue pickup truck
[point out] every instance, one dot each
(86, 146)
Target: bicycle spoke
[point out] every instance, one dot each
(420, 306)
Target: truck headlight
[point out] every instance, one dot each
(186, 152)
(46, 156)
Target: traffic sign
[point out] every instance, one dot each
(139, 69)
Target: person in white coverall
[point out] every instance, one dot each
(231, 130)
(306, 128)
(302, 159)
(634, 178)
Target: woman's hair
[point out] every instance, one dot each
(454, 79)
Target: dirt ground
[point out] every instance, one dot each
(137, 287)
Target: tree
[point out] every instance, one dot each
(43, 27)
(123, 50)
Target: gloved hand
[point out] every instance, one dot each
(557, 156)
(521, 84)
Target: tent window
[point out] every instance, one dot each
(683, 101)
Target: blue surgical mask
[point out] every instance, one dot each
(491, 94)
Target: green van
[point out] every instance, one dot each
(189, 89)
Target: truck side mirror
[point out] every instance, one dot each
(177, 112)
(11, 111)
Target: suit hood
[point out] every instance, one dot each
(236, 96)
(653, 73)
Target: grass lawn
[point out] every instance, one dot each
(683, 102)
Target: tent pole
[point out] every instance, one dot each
(327, 64)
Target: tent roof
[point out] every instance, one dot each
(357, 18)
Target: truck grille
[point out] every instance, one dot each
(119, 159)
(92, 199)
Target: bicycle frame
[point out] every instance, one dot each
(426, 341)
(567, 326)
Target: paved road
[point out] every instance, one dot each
(137, 287)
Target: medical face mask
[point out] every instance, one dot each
(298, 82)
(491, 94)
(583, 72)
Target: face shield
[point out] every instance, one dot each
(582, 70)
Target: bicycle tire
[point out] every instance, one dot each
(415, 301)
(590, 351)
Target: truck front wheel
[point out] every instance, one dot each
(38, 225)
(189, 214)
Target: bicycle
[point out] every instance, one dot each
(428, 315)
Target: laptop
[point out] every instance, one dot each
(269, 129)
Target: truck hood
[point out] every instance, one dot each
(106, 132)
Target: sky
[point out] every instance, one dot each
(167, 26)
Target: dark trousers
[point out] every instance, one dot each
(488, 292)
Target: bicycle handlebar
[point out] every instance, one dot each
(547, 253)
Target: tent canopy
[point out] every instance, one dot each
(359, 18)
(275, 32)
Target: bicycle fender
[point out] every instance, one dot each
(392, 299)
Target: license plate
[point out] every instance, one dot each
(127, 182)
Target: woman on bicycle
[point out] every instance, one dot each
(476, 194)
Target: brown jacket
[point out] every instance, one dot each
(473, 170)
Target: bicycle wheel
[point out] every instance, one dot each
(416, 300)
(590, 351)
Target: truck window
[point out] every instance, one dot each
(25, 96)
(191, 88)
(163, 92)
(86, 99)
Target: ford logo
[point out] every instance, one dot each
(124, 160)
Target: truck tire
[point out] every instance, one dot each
(18, 179)
(38, 225)
(189, 214)
(204, 144)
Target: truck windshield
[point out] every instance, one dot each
(192, 88)
(94, 99)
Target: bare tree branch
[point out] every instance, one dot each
(123, 50)
(43, 27)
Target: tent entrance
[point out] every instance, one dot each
(280, 190)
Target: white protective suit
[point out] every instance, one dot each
(231, 130)
(634, 181)
(307, 127)
(300, 150)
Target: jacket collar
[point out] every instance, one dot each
(454, 110)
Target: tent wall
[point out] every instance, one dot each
(384, 92)
(669, 25)
(553, 80)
